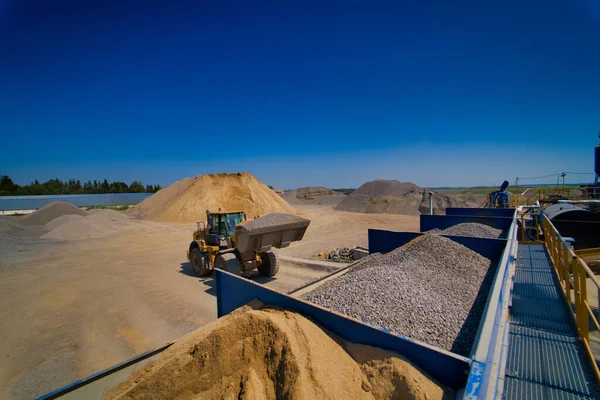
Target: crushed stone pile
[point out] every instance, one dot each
(270, 220)
(394, 197)
(313, 195)
(187, 200)
(97, 224)
(472, 229)
(270, 354)
(50, 212)
(441, 201)
(432, 289)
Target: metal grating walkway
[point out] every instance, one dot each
(545, 357)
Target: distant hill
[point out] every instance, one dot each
(394, 197)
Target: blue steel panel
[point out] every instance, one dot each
(383, 241)
(429, 222)
(449, 369)
(481, 212)
(475, 380)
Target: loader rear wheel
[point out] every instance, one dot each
(200, 263)
(269, 266)
(228, 262)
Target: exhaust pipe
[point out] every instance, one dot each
(430, 203)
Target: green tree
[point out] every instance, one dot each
(119, 187)
(136, 187)
(7, 186)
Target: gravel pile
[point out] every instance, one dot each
(432, 289)
(271, 220)
(473, 229)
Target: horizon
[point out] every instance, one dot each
(310, 94)
(511, 185)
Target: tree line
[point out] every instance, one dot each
(72, 186)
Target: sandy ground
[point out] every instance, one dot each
(69, 309)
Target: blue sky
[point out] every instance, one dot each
(298, 92)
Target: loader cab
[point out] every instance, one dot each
(220, 226)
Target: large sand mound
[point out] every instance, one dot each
(188, 199)
(269, 354)
(394, 197)
(312, 195)
(50, 212)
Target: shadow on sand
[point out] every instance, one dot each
(209, 280)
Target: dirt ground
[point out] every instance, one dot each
(69, 309)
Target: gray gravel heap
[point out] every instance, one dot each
(271, 220)
(432, 289)
(473, 229)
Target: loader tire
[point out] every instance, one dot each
(200, 263)
(228, 262)
(269, 266)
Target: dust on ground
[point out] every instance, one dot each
(269, 353)
(76, 305)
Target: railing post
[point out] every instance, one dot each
(559, 256)
(565, 270)
(577, 292)
(568, 279)
(585, 329)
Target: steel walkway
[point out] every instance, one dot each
(545, 358)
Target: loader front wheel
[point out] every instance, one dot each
(200, 263)
(228, 262)
(269, 266)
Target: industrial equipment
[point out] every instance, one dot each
(225, 243)
(592, 190)
(498, 198)
(575, 222)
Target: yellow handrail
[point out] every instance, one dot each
(551, 194)
(573, 274)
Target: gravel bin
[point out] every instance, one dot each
(472, 229)
(432, 289)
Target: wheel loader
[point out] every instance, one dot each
(225, 242)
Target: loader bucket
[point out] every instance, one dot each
(263, 236)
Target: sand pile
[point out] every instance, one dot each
(395, 197)
(50, 212)
(269, 354)
(188, 199)
(97, 224)
(313, 195)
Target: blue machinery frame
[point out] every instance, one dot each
(478, 376)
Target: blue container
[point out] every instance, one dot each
(382, 241)
(481, 212)
(429, 222)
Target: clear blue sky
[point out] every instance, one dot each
(299, 92)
